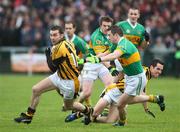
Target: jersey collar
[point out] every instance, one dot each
(133, 26)
(102, 32)
(120, 39)
(67, 38)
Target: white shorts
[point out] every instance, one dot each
(112, 96)
(134, 85)
(92, 71)
(66, 87)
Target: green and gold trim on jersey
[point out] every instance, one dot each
(135, 57)
(133, 38)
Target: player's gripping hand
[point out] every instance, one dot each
(81, 61)
(51, 66)
(113, 71)
(93, 59)
(150, 113)
(48, 51)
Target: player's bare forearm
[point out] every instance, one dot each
(111, 56)
(102, 54)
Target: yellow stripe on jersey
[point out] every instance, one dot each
(133, 58)
(100, 49)
(64, 57)
(134, 39)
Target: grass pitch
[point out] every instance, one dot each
(15, 93)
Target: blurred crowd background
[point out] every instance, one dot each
(26, 22)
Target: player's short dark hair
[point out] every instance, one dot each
(56, 27)
(105, 19)
(71, 22)
(115, 29)
(155, 62)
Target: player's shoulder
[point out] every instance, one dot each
(64, 43)
(97, 33)
(145, 67)
(79, 39)
(140, 25)
(146, 70)
(121, 23)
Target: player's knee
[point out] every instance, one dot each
(35, 90)
(87, 94)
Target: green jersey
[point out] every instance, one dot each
(99, 42)
(134, 33)
(80, 45)
(130, 59)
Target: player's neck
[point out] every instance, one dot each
(133, 23)
(70, 37)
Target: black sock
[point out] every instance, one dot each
(31, 111)
(86, 110)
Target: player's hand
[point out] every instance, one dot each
(113, 71)
(146, 36)
(51, 66)
(48, 51)
(150, 113)
(93, 59)
(81, 61)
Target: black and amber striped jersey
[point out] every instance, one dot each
(120, 83)
(64, 57)
(147, 72)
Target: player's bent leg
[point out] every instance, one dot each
(106, 78)
(37, 90)
(41, 87)
(99, 107)
(123, 100)
(159, 99)
(86, 90)
(122, 120)
(113, 115)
